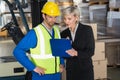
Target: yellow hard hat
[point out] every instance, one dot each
(51, 9)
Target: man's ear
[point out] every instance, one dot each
(43, 15)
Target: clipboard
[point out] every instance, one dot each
(59, 46)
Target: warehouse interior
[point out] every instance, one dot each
(102, 15)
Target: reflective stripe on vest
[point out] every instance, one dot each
(42, 45)
(42, 54)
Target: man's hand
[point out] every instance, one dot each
(40, 70)
(61, 68)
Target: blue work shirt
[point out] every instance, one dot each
(29, 41)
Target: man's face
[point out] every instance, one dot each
(49, 20)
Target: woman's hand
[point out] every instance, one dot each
(72, 52)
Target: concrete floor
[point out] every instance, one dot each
(113, 73)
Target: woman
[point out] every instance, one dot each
(79, 66)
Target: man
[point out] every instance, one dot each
(41, 63)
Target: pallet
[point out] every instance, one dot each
(65, 3)
(114, 9)
(103, 79)
(114, 65)
(98, 2)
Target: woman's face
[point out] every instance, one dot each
(70, 20)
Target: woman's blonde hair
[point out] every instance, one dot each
(71, 10)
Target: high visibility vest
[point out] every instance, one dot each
(41, 55)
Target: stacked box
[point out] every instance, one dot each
(98, 0)
(100, 69)
(94, 28)
(98, 14)
(99, 59)
(113, 53)
(113, 23)
(114, 3)
(63, 4)
(112, 15)
(84, 12)
(99, 51)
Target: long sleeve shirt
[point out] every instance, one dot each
(29, 41)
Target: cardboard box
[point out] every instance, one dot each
(113, 53)
(3, 33)
(100, 69)
(99, 51)
(94, 28)
(114, 3)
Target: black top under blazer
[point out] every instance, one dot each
(80, 67)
